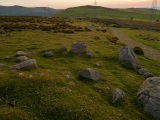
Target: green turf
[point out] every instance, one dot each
(49, 96)
(101, 12)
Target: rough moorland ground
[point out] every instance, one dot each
(53, 90)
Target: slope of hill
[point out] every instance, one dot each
(101, 12)
(25, 11)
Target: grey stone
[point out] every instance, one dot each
(128, 58)
(48, 54)
(142, 71)
(63, 49)
(2, 65)
(31, 53)
(21, 53)
(97, 38)
(117, 94)
(44, 50)
(148, 74)
(78, 47)
(89, 54)
(2, 31)
(28, 64)
(149, 96)
(89, 74)
(21, 58)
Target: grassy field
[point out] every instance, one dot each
(45, 93)
(147, 37)
(141, 14)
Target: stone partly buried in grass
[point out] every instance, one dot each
(89, 74)
(28, 64)
(149, 96)
(78, 47)
(128, 58)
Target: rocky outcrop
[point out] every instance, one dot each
(89, 74)
(128, 58)
(28, 64)
(78, 47)
(149, 96)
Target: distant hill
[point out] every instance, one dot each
(26, 11)
(102, 12)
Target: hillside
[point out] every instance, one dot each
(101, 12)
(53, 90)
(26, 11)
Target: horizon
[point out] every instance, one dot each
(64, 4)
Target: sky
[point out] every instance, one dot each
(62, 4)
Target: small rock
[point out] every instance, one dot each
(89, 74)
(21, 58)
(71, 83)
(63, 48)
(97, 38)
(48, 54)
(142, 71)
(21, 74)
(8, 35)
(147, 75)
(2, 65)
(98, 65)
(44, 50)
(7, 57)
(21, 53)
(117, 94)
(30, 54)
(28, 64)
(41, 74)
(2, 31)
(68, 76)
(30, 76)
(89, 54)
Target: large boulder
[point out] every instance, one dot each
(149, 96)
(78, 47)
(128, 58)
(28, 64)
(89, 74)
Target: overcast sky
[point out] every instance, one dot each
(61, 4)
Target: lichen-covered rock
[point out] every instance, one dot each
(149, 96)
(89, 74)
(128, 58)
(21, 53)
(117, 94)
(78, 47)
(28, 64)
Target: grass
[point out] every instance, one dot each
(48, 95)
(147, 37)
(140, 14)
